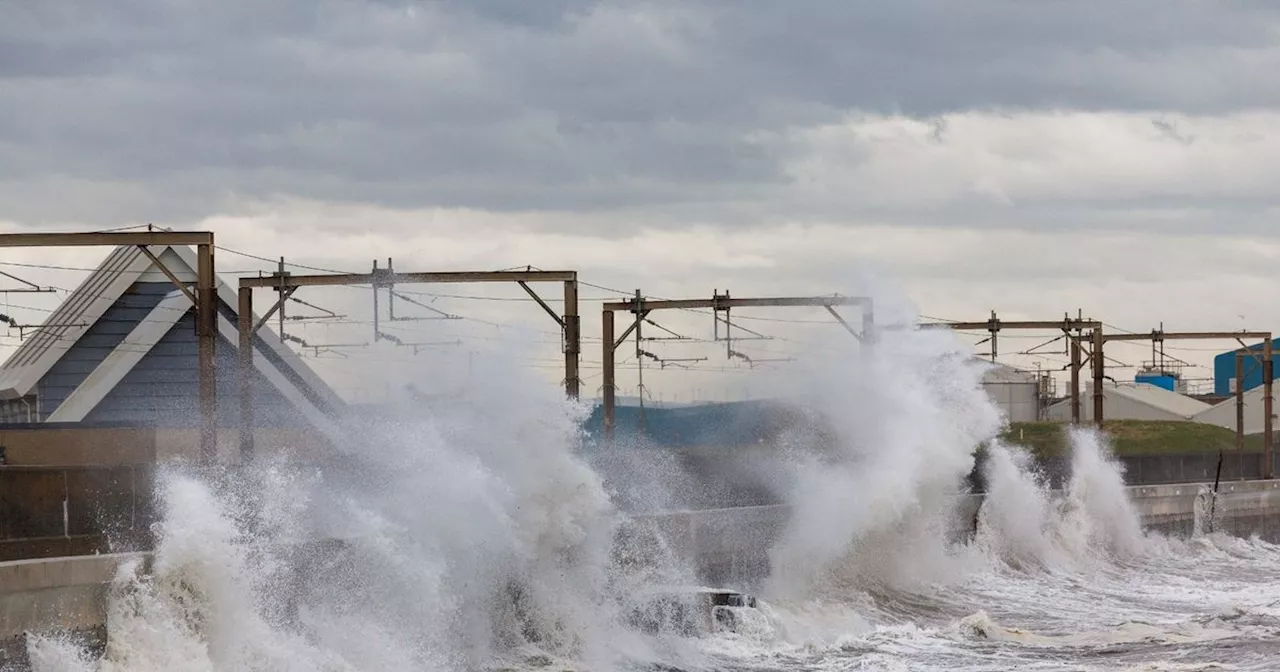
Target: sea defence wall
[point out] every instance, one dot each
(727, 548)
(65, 595)
(730, 547)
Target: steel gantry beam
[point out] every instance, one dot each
(1073, 328)
(1099, 340)
(641, 307)
(204, 298)
(387, 278)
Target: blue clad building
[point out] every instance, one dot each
(1224, 369)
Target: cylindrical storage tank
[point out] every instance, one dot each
(1016, 393)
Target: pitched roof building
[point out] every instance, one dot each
(122, 350)
(1132, 401)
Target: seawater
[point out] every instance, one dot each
(474, 536)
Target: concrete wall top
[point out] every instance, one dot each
(40, 574)
(109, 446)
(56, 594)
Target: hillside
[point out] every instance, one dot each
(1133, 437)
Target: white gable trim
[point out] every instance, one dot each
(124, 267)
(144, 337)
(122, 359)
(75, 316)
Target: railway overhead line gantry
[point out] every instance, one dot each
(640, 308)
(387, 278)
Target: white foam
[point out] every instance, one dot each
(474, 538)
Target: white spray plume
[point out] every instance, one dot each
(1091, 520)
(871, 493)
(462, 532)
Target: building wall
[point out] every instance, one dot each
(1115, 406)
(162, 390)
(84, 355)
(1019, 401)
(1224, 369)
(49, 444)
(1223, 414)
(721, 424)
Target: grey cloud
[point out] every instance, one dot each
(557, 105)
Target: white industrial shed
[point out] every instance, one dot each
(1132, 401)
(1223, 413)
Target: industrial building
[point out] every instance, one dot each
(121, 352)
(1021, 395)
(1223, 413)
(1132, 401)
(1224, 369)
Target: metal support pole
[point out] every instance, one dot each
(868, 323)
(572, 340)
(995, 330)
(1268, 410)
(607, 359)
(206, 328)
(1239, 401)
(245, 315)
(1269, 437)
(377, 330)
(1099, 373)
(281, 289)
(1075, 379)
(639, 359)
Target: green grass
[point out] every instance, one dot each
(1133, 437)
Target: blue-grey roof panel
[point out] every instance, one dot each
(163, 388)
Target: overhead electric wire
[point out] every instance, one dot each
(58, 338)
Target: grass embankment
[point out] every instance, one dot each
(1133, 437)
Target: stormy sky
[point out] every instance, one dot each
(1027, 157)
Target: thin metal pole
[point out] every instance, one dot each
(1075, 379)
(377, 331)
(1239, 401)
(868, 323)
(282, 300)
(995, 330)
(1268, 379)
(245, 315)
(207, 334)
(639, 359)
(607, 361)
(1099, 372)
(572, 340)
(391, 290)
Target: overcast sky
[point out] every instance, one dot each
(1027, 157)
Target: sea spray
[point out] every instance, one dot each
(872, 499)
(456, 533)
(1026, 525)
(1015, 519)
(1098, 510)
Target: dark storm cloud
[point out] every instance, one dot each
(169, 110)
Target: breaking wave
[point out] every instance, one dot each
(471, 534)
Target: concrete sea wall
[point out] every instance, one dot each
(730, 547)
(55, 595)
(727, 547)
